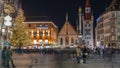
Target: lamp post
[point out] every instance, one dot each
(80, 38)
(80, 42)
(7, 23)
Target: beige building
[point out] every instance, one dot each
(67, 35)
(108, 26)
(87, 24)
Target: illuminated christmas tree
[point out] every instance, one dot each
(20, 34)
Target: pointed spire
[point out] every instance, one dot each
(87, 10)
(87, 3)
(66, 16)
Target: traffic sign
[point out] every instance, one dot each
(7, 43)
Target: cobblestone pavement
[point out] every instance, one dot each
(60, 61)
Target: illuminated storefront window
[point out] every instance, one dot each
(35, 41)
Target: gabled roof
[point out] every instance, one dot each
(67, 28)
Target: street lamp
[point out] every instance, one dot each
(80, 35)
(7, 23)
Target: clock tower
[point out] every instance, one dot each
(88, 26)
(87, 10)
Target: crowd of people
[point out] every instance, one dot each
(81, 53)
(106, 52)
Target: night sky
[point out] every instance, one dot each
(56, 9)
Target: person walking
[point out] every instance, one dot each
(5, 57)
(85, 53)
(78, 54)
(10, 53)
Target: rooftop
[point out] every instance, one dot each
(37, 19)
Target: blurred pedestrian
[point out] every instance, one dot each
(10, 53)
(110, 53)
(78, 54)
(5, 58)
(85, 53)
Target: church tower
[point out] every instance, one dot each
(88, 25)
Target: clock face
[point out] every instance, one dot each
(87, 10)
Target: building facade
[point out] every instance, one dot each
(108, 26)
(42, 33)
(67, 35)
(87, 25)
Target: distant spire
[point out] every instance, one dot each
(66, 16)
(87, 3)
(87, 10)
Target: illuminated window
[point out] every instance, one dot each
(46, 41)
(40, 41)
(29, 25)
(40, 27)
(35, 41)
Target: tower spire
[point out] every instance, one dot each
(66, 16)
(87, 3)
(87, 10)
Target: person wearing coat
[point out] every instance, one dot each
(5, 58)
(10, 56)
(78, 54)
(85, 53)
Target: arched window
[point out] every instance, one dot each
(72, 41)
(67, 40)
(61, 41)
